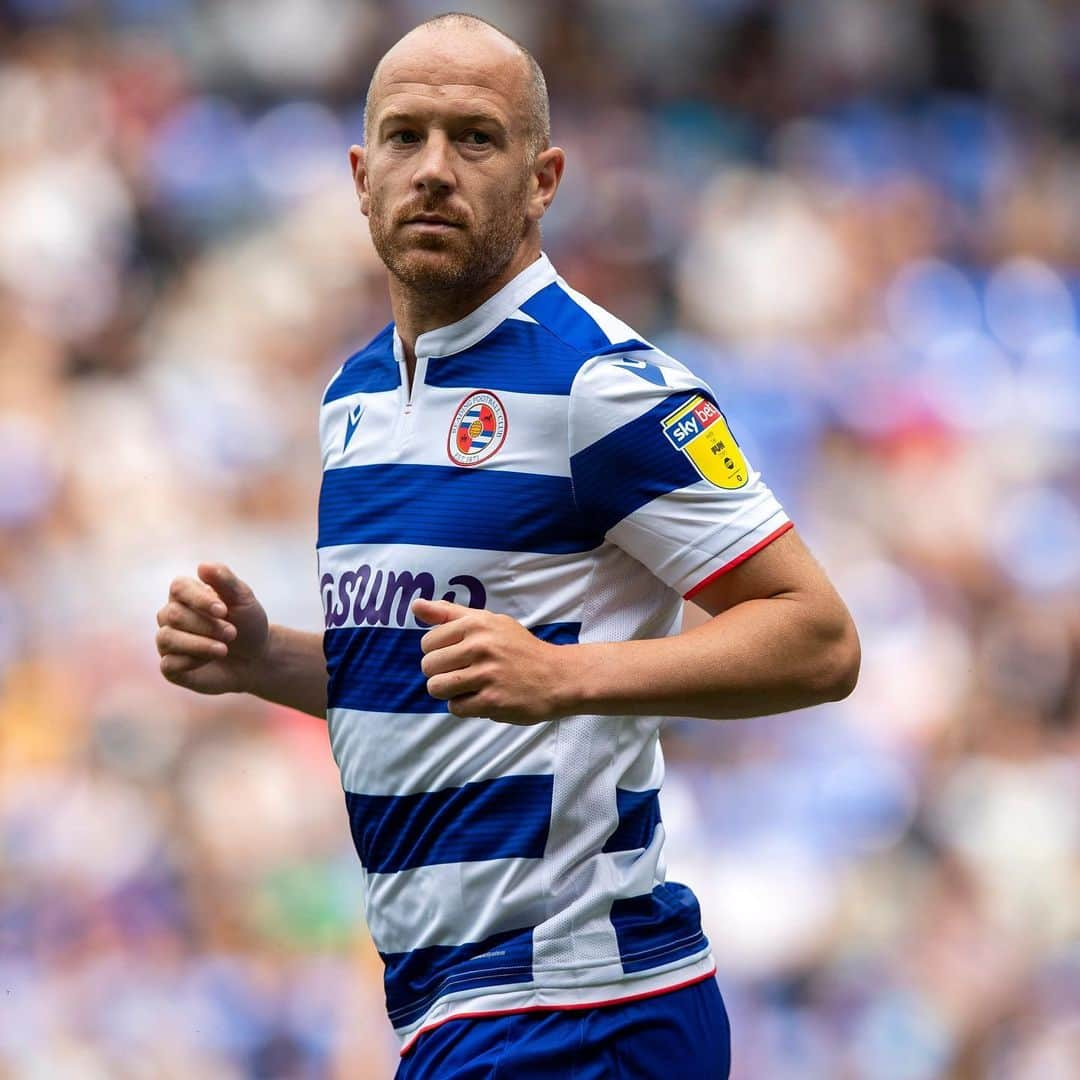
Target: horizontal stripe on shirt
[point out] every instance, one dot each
(450, 506)
(372, 370)
(639, 814)
(377, 668)
(566, 319)
(656, 928)
(642, 458)
(414, 980)
(504, 818)
(400, 754)
(450, 903)
(516, 356)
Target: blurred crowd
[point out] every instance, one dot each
(858, 219)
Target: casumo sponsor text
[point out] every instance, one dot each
(370, 597)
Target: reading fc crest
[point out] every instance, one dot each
(478, 429)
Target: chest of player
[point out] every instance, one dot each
(449, 466)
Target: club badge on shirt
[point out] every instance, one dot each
(477, 430)
(699, 430)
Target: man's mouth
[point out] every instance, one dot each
(431, 222)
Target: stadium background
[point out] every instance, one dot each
(860, 220)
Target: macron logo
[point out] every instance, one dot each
(350, 424)
(649, 372)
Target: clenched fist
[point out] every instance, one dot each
(212, 632)
(489, 665)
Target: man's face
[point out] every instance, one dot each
(446, 180)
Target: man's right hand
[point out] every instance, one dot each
(212, 632)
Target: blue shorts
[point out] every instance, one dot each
(683, 1033)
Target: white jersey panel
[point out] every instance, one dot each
(448, 903)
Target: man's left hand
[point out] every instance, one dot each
(489, 665)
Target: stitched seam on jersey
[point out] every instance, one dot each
(708, 553)
(720, 556)
(586, 358)
(668, 946)
(570, 429)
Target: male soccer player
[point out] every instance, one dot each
(517, 493)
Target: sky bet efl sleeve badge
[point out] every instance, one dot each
(700, 431)
(478, 429)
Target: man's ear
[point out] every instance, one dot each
(546, 174)
(358, 167)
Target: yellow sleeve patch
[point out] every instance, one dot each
(699, 430)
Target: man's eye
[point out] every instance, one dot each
(404, 137)
(476, 138)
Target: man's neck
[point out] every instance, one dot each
(416, 312)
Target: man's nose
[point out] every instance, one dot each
(434, 170)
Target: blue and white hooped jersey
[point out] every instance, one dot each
(552, 467)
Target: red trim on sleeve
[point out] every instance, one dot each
(738, 559)
(572, 1006)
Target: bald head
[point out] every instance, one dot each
(442, 37)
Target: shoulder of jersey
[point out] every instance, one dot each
(370, 369)
(587, 336)
(641, 372)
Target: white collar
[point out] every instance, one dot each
(458, 336)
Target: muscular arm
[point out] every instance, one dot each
(779, 638)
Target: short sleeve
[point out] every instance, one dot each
(657, 471)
